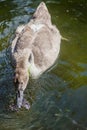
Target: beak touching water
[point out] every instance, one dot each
(19, 94)
(21, 81)
(19, 98)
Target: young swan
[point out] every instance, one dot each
(35, 48)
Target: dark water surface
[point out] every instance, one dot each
(58, 98)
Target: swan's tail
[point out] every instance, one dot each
(42, 14)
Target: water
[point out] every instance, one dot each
(58, 98)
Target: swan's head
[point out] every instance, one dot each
(21, 79)
(21, 74)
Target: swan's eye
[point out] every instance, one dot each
(30, 58)
(21, 82)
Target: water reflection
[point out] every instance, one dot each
(58, 98)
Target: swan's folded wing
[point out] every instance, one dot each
(25, 39)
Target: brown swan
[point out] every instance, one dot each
(34, 49)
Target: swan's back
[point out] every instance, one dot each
(41, 38)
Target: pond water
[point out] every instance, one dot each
(58, 98)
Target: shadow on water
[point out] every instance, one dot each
(58, 98)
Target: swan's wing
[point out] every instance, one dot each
(25, 39)
(46, 46)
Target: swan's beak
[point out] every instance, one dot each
(19, 88)
(19, 98)
(20, 94)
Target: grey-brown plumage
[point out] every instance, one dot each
(35, 47)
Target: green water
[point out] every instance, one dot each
(58, 98)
